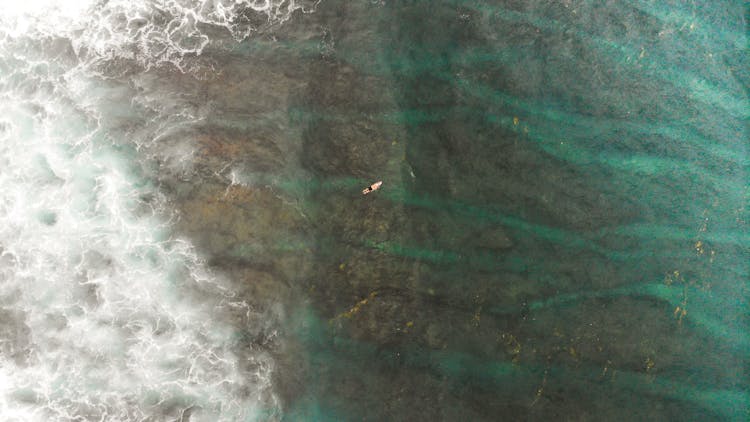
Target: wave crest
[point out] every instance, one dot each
(151, 33)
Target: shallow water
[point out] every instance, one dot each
(561, 232)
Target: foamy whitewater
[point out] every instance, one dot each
(104, 314)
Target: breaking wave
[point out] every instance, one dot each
(104, 313)
(149, 33)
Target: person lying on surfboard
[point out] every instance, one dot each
(373, 187)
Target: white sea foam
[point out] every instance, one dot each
(103, 314)
(149, 33)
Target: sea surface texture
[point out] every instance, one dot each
(561, 234)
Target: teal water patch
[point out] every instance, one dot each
(509, 378)
(562, 228)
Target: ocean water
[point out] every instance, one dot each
(561, 234)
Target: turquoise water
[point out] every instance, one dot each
(561, 233)
(562, 230)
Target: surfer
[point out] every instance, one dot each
(373, 187)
